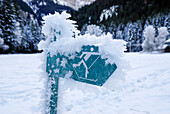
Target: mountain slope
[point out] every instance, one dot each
(44, 7)
(127, 11)
(24, 6)
(76, 4)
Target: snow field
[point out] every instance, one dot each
(20, 84)
(145, 90)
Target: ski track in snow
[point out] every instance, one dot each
(146, 89)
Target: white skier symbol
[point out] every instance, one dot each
(84, 57)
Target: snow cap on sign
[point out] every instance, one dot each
(59, 24)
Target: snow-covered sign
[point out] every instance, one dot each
(87, 58)
(86, 66)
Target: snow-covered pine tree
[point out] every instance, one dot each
(30, 33)
(94, 30)
(1, 44)
(161, 38)
(161, 26)
(127, 34)
(84, 29)
(132, 33)
(1, 16)
(19, 25)
(119, 32)
(8, 20)
(26, 36)
(167, 22)
(112, 29)
(36, 34)
(136, 36)
(103, 28)
(149, 43)
(139, 36)
(19, 31)
(3, 47)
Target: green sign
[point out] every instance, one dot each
(86, 66)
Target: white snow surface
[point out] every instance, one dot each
(20, 84)
(145, 90)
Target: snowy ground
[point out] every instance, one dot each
(20, 84)
(145, 91)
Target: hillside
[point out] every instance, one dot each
(20, 23)
(44, 7)
(75, 4)
(124, 19)
(20, 31)
(128, 11)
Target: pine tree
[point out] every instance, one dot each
(36, 34)
(149, 43)
(31, 34)
(8, 23)
(1, 16)
(26, 36)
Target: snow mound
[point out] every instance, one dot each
(56, 23)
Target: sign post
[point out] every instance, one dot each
(87, 66)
